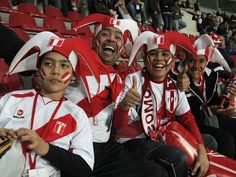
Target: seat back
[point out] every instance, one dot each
(54, 12)
(21, 20)
(8, 83)
(54, 25)
(5, 4)
(21, 33)
(29, 8)
(74, 16)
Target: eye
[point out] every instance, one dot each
(119, 37)
(65, 65)
(202, 61)
(152, 54)
(47, 63)
(165, 54)
(104, 34)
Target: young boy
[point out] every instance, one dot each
(151, 100)
(204, 94)
(55, 133)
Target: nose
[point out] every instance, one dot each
(111, 38)
(56, 70)
(159, 56)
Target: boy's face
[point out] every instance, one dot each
(109, 44)
(158, 63)
(56, 73)
(193, 69)
(222, 42)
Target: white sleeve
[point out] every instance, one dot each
(3, 102)
(183, 105)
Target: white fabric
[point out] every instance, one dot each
(12, 163)
(75, 93)
(79, 139)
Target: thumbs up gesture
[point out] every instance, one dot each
(183, 80)
(132, 97)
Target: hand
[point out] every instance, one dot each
(35, 142)
(5, 132)
(132, 97)
(202, 163)
(183, 80)
(232, 89)
(229, 111)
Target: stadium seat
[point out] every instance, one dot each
(142, 28)
(8, 83)
(234, 60)
(5, 6)
(84, 33)
(31, 9)
(24, 21)
(74, 16)
(56, 25)
(56, 13)
(21, 33)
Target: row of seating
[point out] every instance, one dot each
(33, 10)
(27, 20)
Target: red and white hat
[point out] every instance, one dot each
(205, 46)
(215, 38)
(202, 43)
(167, 41)
(128, 27)
(82, 58)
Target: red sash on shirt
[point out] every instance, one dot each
(153, 120)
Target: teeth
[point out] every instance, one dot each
(159, 65)
(109, 48)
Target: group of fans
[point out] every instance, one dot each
(88, 119)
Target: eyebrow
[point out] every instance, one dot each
(57, 60)
(116, 30)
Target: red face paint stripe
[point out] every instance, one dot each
(65, 75)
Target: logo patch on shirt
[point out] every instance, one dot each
(59, 127)
(19, 114)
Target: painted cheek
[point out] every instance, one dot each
(168, 60)
(121, 48)
(66, 77)
(43, 74)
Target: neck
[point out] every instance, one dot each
(54, 96)
(157, 80)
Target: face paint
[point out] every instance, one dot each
(66, 77)
(168, 60)
(43, 74)
(121, 49)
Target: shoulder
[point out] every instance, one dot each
(19, 94)
(23, 93)
(76, 111)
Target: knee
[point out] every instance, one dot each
(181, 157)
(210, 142)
